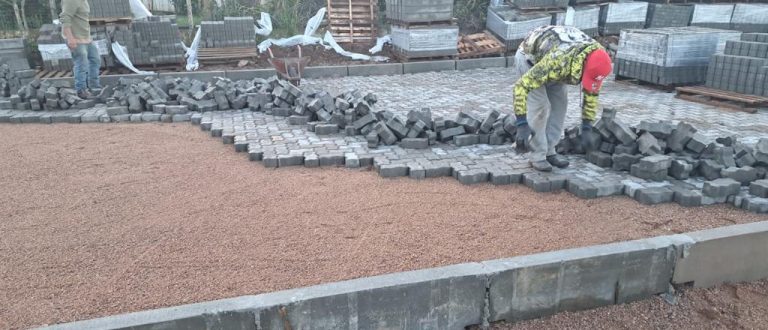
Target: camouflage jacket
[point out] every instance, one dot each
(557, 54)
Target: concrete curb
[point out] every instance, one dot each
(375, 69)
(429, 66)
(457, 296)
(481, 63)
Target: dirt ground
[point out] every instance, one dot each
(729, 306)
(104, 219)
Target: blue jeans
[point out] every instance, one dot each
(87, 61)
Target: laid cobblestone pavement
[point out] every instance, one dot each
(271, 140)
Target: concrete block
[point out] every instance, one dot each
(206, 76)
(538, 285)
(465, 140)
(326, 129)
(743, 175)
(375, 69)
(721, 188)
(429, 66)
(654, 195)
(624, 162)
(680, 136)
(414, 143)
(473, 176)
(325, 71)
(481, 63)
(680, 169)
(726, 254)
(393, 170)
(759, 188)
(648, 144)
(600, 158)
(709, 169)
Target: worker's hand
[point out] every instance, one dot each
(587, 143)
(71, 44)
(523, 135)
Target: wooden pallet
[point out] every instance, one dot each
(720, 98)
(479, 45)
(352, 21)
(109, 20)
(637, 82)
(45, 74)
(224, 55)
(401, 56)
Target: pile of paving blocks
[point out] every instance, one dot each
(669, 56)
(232, 32)
(46, 95)
(743, 67)
(663, 15)
(153, 41)
(617, 16)
(110, 9)
(660, 151)
(14, 68)
(423, 28)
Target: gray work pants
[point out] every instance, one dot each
(546, 112)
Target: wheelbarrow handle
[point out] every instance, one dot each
(269, 50)
(299, 47)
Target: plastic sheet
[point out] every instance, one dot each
(673, 47)
(355, 56)
(517, 29)
(122, 56)
(191, 53)
(622, 12)
(301, 39)
(712, 13)
(139, 10)
(265, 23)
(425, 39)
(380, 44)
(750, 14)
(61, 51)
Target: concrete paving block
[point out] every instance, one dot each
(542, 284)
(325, 72)
(414, 143)
(726, 254)
(205, 76)
(236, 75)
(335, 159)
(721, 187)
(473, 176)
(654, 195)
(744, 175)
(436, 170)
(112, 80)
(429, 66)
(393, 170)
(290, 160)
(481, 63)
(510, 61)
(375, 69)
(759, 188)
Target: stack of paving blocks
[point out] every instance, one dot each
(512, 25)
(231, 32)
(57, 57)
(538, 4)
(669, 56)
(662, 15)
(110, 9)
(423, 28)
(750, 17)
(661, 151)
(14, 68)
(743, 67)
(585, 18)
(617, 16)
(151, 42)
(716, 16)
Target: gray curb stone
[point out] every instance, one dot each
(375, 69)
(418, 67)
(481, 63)
(325, 72)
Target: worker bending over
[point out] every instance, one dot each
(549, 58)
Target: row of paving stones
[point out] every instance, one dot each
(276, 143)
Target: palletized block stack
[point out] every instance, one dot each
(512, 25)
(585, 18)
(422, 28)
(662, 15)
(750, 17)
(232, 32)
(110, 9)
(622, 15)
(743, 67)
(669, 56)
(716, 16)
(150, 42)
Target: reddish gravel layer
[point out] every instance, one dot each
(105, 219)
(740, 306)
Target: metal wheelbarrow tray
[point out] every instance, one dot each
(289, 68)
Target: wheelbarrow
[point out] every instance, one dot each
(289, 68)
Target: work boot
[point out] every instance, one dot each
(541, 165)
(558, 161)
(84, 94)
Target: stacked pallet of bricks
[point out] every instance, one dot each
(716, 16)
(110, 9)
(14, 68)
(511, 25)
(750, 17)
(351, 21)
(617, 16)
(57, 57)
(743, 67)
(585, 18)
(231, 32)
(669, 56)
(665, 15)
(422, 28)
(151, 42)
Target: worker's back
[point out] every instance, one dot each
(546, 38)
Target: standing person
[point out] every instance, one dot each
(85, 55)
(549, 58)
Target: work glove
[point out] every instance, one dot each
(587, 140)
(523, 134)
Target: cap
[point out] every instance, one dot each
(597, 66)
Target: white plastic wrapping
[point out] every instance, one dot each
(191, 53)
(712, 13)
(425, 39)
(673, 47)
(583, 18)
(122, 56)
(355, 56)
(301, 39)
(380, 44)
(265, 23)
(750, 14)
(314, 22)
(62, 51)
(139, 10)
(623, 12)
